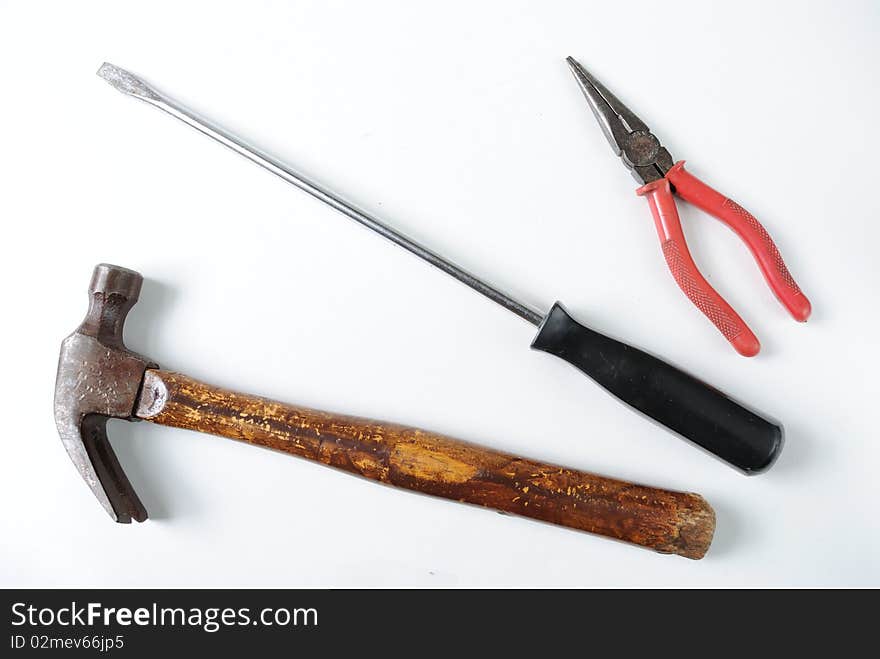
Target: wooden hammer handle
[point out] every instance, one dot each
(669, 522)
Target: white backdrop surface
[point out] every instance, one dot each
(460, 124)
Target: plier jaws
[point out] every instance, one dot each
(629, 136)
(660, 176)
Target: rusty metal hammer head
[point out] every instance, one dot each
(99, 379)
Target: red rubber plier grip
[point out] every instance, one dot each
(687, 275)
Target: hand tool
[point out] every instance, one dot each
(98, 378)
(677, 400)
(652, 166)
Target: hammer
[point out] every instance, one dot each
(98, 378)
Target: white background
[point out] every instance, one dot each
(460, 124)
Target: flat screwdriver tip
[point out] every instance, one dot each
(127, 82)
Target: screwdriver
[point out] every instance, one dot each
(679, 401)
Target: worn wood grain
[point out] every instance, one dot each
(669, 522)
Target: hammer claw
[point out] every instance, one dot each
(125, 505)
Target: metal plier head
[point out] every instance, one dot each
(640, 150)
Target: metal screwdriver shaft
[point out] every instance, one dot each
(132, 85)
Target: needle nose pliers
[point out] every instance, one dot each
(653, 167)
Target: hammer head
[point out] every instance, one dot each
(99, 379)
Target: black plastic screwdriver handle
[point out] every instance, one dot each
(693, 409)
